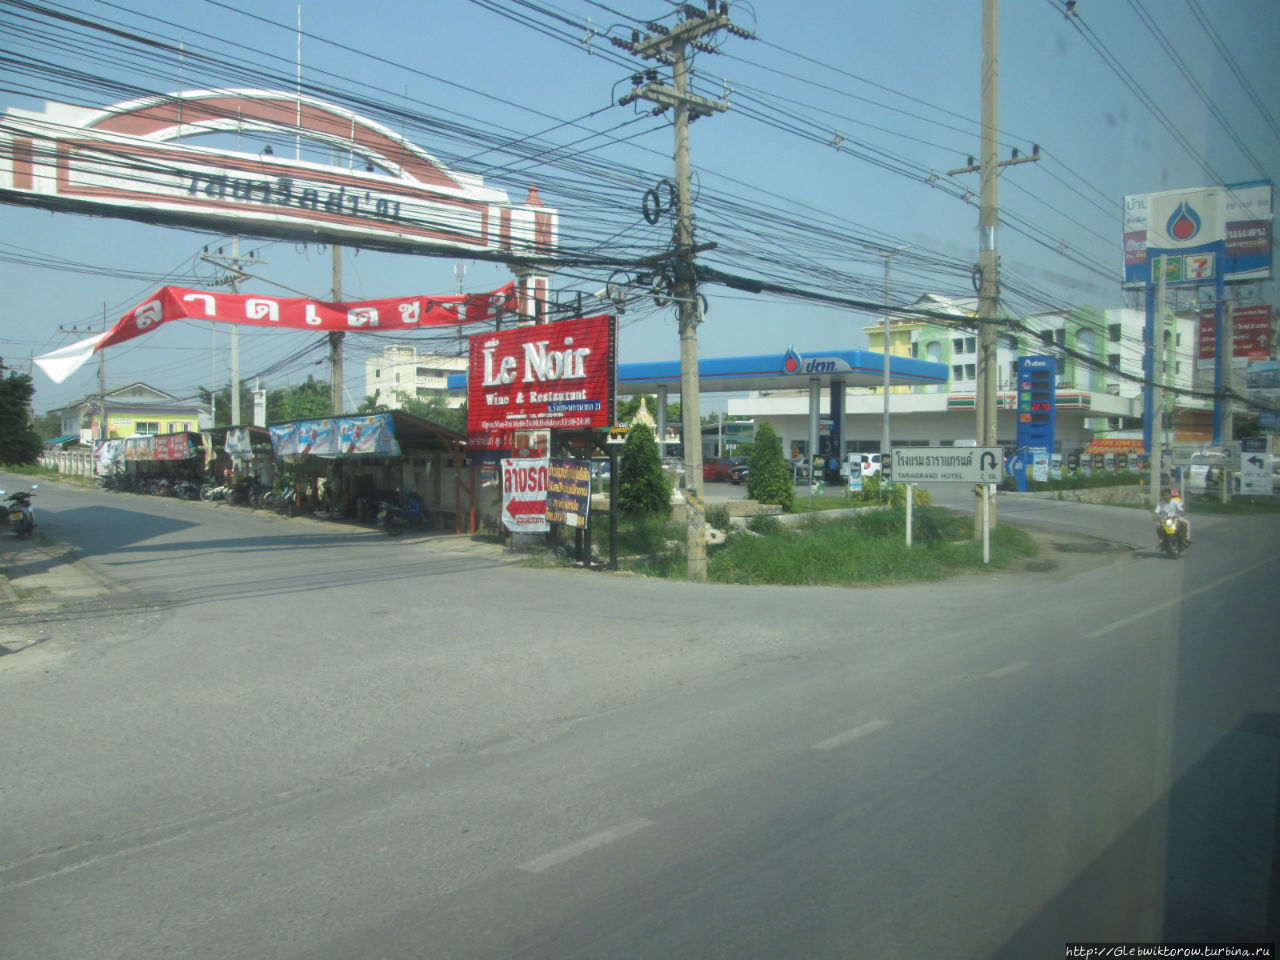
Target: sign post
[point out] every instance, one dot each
(972, 465)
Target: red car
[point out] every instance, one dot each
(716, 469)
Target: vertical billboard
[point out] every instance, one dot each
(1252, 335)
(1189, 222)
(1037, 403)
(549, 376)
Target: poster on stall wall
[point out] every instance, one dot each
(371, 436)
(239, 446)
(524, 495)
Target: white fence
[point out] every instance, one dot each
(75, 463)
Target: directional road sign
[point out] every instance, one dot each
(947, 464)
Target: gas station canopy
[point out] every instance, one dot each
(780, 371)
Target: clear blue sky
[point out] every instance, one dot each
(899, 82)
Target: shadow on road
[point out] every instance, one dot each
(1216, 835)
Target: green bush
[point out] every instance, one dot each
(644, 489)
(771, 479)
(1077, 481)
(764, 524)
(874, 494)
(718, 517)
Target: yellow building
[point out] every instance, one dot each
(127, 411)
(901, 343)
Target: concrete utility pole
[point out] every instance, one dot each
(335, 341)
(885, 439)
(988, 258)
(669, 46)
(232, 264)
(103, 428)
(1157, 457)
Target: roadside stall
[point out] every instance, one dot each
(239, 454)
(345, 465)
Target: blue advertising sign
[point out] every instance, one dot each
(1037, 402)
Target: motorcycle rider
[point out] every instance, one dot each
(1171, 506)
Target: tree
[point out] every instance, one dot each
(49, 425)
(643, 489)
(436, 410)
(307, 401)
(19, 442)
(770, 480)
(221, 403)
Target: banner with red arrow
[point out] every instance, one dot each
(524, 495)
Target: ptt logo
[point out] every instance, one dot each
(1184, 224)
(791, 361)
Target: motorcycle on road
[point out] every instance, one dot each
(22, 518)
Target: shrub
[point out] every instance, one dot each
(765, 524)
(644, 489)
(771, 479)
(718, 517)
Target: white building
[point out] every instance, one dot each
(1099, 381)
(401, 371)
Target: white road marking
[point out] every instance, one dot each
(840, 739)
(1011, 668)
(1143, 614)
(548, 860)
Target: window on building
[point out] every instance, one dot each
(957, 371)
(1113, 333)
(970, 344)
(149, 427)
(1113, 361)
(957, 345)
(970, 371)
(1060, 336)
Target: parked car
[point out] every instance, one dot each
(716, 469)
(739, 473)
(870, 464)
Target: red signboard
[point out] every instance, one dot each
(1253, 333)
(551, 376)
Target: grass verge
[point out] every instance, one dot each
(869, 548)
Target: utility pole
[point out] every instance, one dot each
(235, 276)
(335, 340)
(1162, 332)
(102, 374)
(988, 258)
(670, 46)
(884, 439)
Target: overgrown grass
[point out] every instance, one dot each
(35, 470)
(864, 549)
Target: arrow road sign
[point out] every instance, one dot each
(947, 464)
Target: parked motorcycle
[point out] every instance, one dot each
(396, 519)
(1173, 536)
(22, 518)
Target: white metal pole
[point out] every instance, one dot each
(986, 527)
(910, 491)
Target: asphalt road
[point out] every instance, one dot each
(270, 738)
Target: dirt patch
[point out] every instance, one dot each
(1066, 556)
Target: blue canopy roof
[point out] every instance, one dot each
(785, 371)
